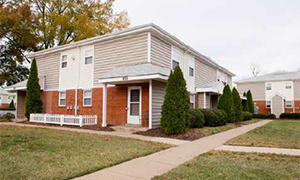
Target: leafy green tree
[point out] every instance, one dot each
(245, 103)
(33, 102)
(226, 103)
(30, 25)
(250, 102)
(175, 109)
(238, 108)
(11, 105)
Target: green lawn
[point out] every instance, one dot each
(219, 165)
(33, 153)
(281, 134)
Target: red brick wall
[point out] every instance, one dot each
(116, 104)
(4, 105)
(297, 106)
(262, 107)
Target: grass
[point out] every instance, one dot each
(280, 134)
(207, 131)
(34, 153)
(219, 165)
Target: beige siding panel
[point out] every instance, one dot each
(21, 104)
(160, 52)
(297, 90)
(277, 105)
(129, 50)
(204, 73)
(200, 100)
(48, 66)
(257, 89)
(158, 90)
(208, 104)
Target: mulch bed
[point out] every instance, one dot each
(89, 127)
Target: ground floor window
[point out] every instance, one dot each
(192, 101)
(268, 104)
(62, 98)
(87, 98)
(289, 104)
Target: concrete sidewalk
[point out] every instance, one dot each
(145, 168)
(292, 152)
(175, 142)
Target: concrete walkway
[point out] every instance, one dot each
(124, 134)
(145, 168)
(292, 152)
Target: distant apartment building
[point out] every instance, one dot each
(6, 98)
(121, 77)
(274, 93)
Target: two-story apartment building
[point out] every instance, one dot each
(121, 77)
(274, 93)
(6, 98)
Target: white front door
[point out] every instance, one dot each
(134, 105)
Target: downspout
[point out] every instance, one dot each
(78, 81)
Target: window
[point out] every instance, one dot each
(289, 104)
(174, 64)
(192, 101)
(175, 59)
(64, 61)
(62, 98)
(288, 86)
(268, 104)
(87, 98)
(191, 67)
(88, 59)
(268, 87)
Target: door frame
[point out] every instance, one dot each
(128, 102)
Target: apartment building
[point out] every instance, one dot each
(6, 98)
(121, 77)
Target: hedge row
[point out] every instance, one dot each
(7, 109)
(247, 116)
(264, 116)
(290, 116)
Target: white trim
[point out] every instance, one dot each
(204, 100)
(60, 98)
(133, 78)
(205, 90)
(104, 105)
(149, 47)
(150, 104)
(140, 103)
(87, 97)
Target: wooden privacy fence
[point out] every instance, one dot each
(62, 119)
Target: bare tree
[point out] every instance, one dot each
(255, 69)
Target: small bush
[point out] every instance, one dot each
(247, 116)
(7, 117)
(222, 115)
(196, 118)
(212, 118)
(290, 116)
(264, 116)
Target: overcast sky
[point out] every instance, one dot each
(234, 33)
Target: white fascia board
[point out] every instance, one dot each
(132, 78)
(201, 90)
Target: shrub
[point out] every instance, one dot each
(33, 102)
(221, 114)
(226, 103)
(196, 118)
(212, 118)
(260, 116)
(247, 116)
(7, 117)
(238, 107)
(271, 116)
(250, 102)
(290, 116)
(245, 103)
(11, 105)
(175, 117)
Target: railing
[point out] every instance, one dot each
(80, 120)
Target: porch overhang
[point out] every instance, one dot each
(214, 87)
(22, 86)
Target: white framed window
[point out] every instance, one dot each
(64, 62)
(192, 101)
(175, 59)
(268, 87)
(87, 98)
(268, 104)
(289, 104)
(89, 56)
(288, 86)
(191, 67)
(62, 98)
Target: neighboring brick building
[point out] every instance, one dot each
(274, 93)
(121, 77)
(6, 98)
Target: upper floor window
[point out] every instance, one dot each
(268, 104)
(289, 104)
(268, 87)
(192, 101)
(191, 67)
(89, 55)
(175, 59)
(87, 97)
(62, 98)
(288, 86)
(64, 61)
